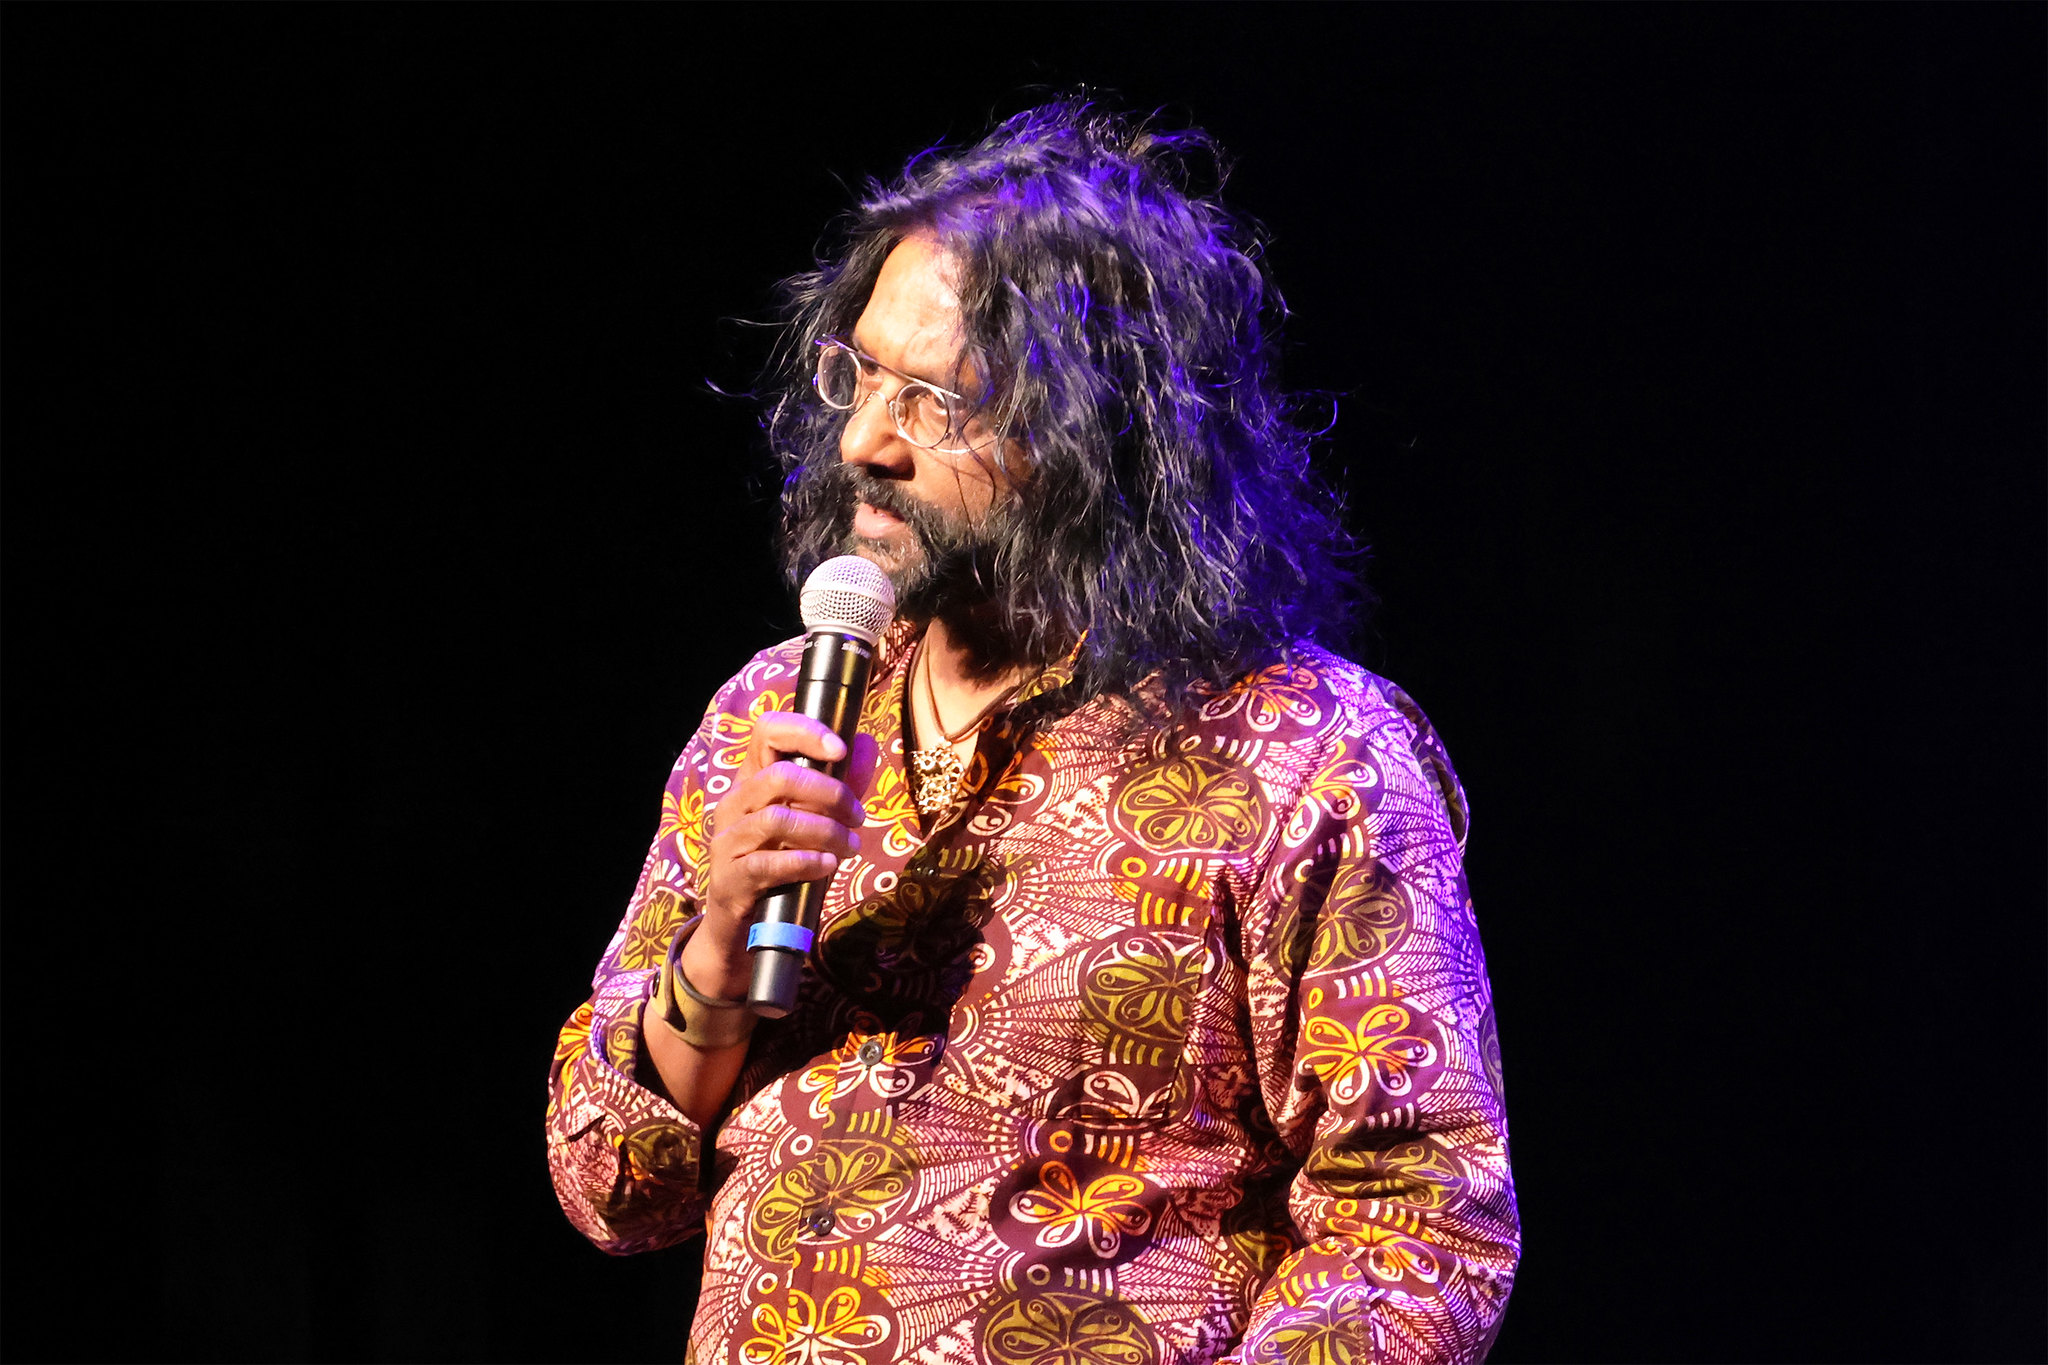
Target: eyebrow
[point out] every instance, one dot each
(854, 337)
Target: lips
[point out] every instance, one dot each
(872, 523)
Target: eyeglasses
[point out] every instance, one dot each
(925, 414)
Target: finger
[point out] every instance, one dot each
(784, 827)
(779, 734)
(785, 784)
(765, 869)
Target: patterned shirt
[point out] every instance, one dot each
(1171, 1041)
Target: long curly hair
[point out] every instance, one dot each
(1126, 334)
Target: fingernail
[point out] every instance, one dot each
(831, 863)
(839, 744)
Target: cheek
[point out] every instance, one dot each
(975, 487)
(955, 496)
(981, 495)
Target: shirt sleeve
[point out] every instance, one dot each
(626, 1163)
(1374, 1028)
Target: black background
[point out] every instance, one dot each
(373, 541)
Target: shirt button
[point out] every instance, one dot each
(818, 1222)
(870, 1052)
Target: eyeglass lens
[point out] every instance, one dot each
(838, 376)
(921, 414)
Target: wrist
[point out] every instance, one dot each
(715, 958)
(706, 1021)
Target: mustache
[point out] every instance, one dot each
(954, 567)
(848, 485)
(959, 558)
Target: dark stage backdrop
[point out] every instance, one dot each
(374, 539)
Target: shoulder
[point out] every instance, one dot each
(766, 683)
(1311, 695)
(719, 747)
(1317, 706)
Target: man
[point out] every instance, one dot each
(1147, 1020)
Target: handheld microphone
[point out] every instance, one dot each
(847, 603)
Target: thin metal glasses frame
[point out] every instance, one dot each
(955, 405)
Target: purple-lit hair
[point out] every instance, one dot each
(1127, 333)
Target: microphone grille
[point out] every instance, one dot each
(849, 595)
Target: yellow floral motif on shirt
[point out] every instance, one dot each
(1338, 784)
(1136, 991)
(928, 920)
(575, 1039)
(1057, 674)
(806, 1332)
(647, 938)
(1415, 1175)
(573, 1042)
(1346, 1061)
(1062, 1327)
(858, 1178)
(731, 734)
(1105, 1211)
(889, 1068)
(881, 710)
(654, 1151)
(1191, 803)
(1336, 792)
(1395, 1258)
(891, 809)
(622, 1044)
(656, 1163)
(683, 819)
(1365, 913)
(1269, 696)
(1418, 1174)
(1323, 1331)
(1017, 788)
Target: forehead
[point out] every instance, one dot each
(912, 319)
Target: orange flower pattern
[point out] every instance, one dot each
(1103, 1214)
(803, 1331)
(1170, 1042)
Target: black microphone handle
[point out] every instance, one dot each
(830, 687)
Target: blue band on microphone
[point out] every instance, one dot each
(775, 934)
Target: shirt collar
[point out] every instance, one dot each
(903, 635)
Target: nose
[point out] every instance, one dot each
(870, 438)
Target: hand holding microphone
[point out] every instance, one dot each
(782, 830)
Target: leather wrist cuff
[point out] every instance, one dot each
(702, 1021)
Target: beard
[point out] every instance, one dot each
(944, 564)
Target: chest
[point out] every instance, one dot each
(1059, 948)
